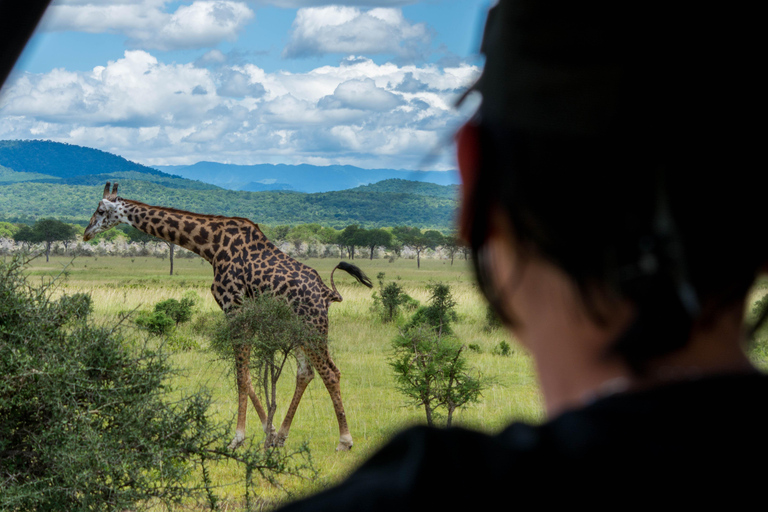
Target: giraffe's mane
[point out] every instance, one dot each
(206, 216)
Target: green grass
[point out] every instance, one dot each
(359, 345)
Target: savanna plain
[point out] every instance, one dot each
(360, 344)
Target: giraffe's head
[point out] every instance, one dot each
(106, 215)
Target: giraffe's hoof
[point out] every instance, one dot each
(345, 444)
(237, 441)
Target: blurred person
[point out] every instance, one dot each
(612, 199)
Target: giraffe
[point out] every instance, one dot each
(245, 262)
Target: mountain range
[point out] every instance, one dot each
(300, 178)
(49, 179)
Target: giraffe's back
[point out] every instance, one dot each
(255, 265)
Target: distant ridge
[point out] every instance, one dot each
(45, 161)
(64, 160)
(301, 178)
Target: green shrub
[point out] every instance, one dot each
(157, 323)
(440, 312)
(178, 311)
(88, 420)
(389, 298)
(474, 347)
(78, 305)
(273, 330)
(502, 349)
(431, 371)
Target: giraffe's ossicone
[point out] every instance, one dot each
(244, 262)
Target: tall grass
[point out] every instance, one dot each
(359, 344)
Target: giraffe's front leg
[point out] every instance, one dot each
(242, 360)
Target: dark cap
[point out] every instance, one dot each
(593, 67)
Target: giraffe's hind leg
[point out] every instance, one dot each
(304, 376)
(321, 360)
(244, 392)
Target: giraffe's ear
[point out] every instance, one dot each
(106, 191)
(114, 192)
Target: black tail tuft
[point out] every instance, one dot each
(355, 272)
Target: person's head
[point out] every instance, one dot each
(615, 139)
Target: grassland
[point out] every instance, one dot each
(359, 344)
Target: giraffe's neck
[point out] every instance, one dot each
(205, 235)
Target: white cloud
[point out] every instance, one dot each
(136, 90)
(320, 3)
(202, 24)
(349, 30)
(361, 95)
(358, 112)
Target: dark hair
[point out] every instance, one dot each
(627, 164)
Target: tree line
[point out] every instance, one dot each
(309, 240)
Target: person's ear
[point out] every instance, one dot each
(468, 155)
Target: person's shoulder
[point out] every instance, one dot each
(425, 468)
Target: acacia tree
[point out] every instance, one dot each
(47, 231)
(348, 239)
(373, 238)
(451, 243)
(430, 368)
(418, 241)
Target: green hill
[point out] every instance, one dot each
(44, 161)
(49, 179)
(76, 203)
(420, 188)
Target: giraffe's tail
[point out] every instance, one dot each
(352, 270)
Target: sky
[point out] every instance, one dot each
(370, 83)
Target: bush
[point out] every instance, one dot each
(89, 423)
(502, 349)
(431, 371)
(178, 311)
(389, 298)
(79, 305)
(157, 323)
(273, 330)
(440, 312)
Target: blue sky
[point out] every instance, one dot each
(363, 82)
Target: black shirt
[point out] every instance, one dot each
(688, 443)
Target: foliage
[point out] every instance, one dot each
(7, 230)
(440, 311)
(155, 322)
(78, 305)
(431, 371)
(338, 209)
(418, 241)
(85, 418)
(178, 311)
(389, 298)
(429, 366)
(46, 231)
(502, 349)
(272, 330)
